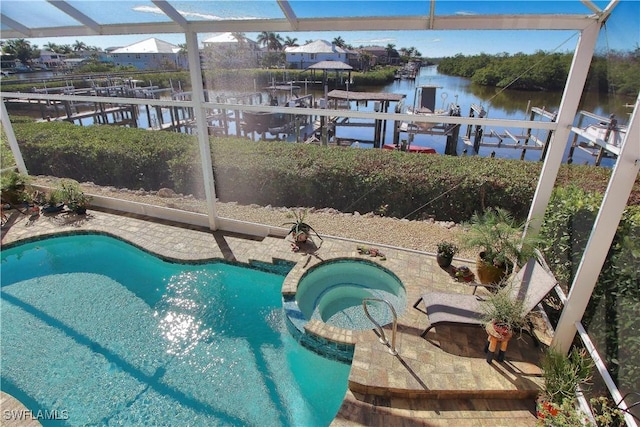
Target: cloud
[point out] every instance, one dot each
(436, 40)
(205, 16)
(375, 40)
(465, 13)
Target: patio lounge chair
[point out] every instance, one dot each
(531, 284)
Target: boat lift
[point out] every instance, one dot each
(507, 138)
(602, 139)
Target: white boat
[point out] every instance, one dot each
(602, 135)
(424, 104)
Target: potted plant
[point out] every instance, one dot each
(462, 273)
(504, 314)
(14, 187)
(498, 236)
(53, 202)
(446, 251)
(562, 375)
(73, 196)
(300, 230)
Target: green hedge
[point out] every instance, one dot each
(611, 317)
(285, 174)
(105, 155)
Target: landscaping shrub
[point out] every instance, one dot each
(611, 317)
(285, 174)
(105, 155)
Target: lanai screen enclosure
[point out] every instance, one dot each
(585, 23)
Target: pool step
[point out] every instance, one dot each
(358, 410)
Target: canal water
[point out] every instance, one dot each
(498, 103)
(503, 104)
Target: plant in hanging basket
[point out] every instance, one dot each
(300, 230)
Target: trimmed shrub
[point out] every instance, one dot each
(285, 174)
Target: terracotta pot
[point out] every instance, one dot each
(300, 237)
(502, 333)
(489, 273)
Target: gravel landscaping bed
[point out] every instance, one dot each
(368, 227)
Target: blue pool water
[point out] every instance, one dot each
(106, 334)
(333, 292)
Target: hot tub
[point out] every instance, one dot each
(333, 291)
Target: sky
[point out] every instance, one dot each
(622, 29)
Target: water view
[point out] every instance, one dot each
(498, 104)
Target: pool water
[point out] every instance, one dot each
(105, 333)
(333, 292)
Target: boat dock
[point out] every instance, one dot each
(382, 103)
(475, 138)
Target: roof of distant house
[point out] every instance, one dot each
(374, 48)
(151, 45)
(318, 46)
(330, 65)
(222, 38)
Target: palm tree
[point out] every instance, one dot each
(240, 37)
(271, 41)
(79, 46)
(21, 49)
(390, 49)
(338, 41)
(51, 47)
(290, 42)
(308, 41)
(365, 61)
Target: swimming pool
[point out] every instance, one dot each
(111, 334)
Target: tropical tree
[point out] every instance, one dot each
(308, 41)
(65, 48)
(290, 42)
(53, 47)
(273, 60)
(21, 49)
(390, 49)
(241, 39)
(339, 41)
(270, 40)
(365, 61)
(79, 46)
